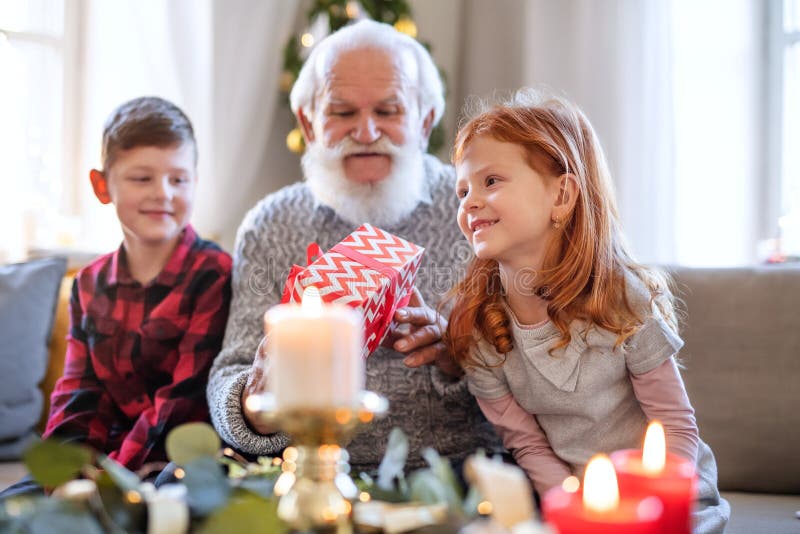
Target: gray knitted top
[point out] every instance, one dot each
(433, 409)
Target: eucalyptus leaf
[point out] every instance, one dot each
(441, 468)
(12, 526)
(17, 512)
(436, 484)
(471, 501)
(207, 487)
(52, 463)
(122, 510)
(261, 486)
(392, 495)
(188, 442)
(245, 512)
(235, 470)
(69, 521)
(394, 461)
(122, 477)
(427, 488)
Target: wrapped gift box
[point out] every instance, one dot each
(370, 269)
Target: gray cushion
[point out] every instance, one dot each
(28, 296)
(763, 514)
(742, 358)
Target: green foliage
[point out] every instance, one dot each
(191, 441)
(120, 476)
(245, 512)
(389, 11)
(122, 510)
(258, 485)
(223, 495)
(436, 484)
(52, 463)
(471, 502)
(69, 521)
(394, 460)
(38, 515)
(207, 486)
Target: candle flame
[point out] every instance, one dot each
(600, 489)
(312, 301)
(654, 454)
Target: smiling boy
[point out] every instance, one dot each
(146, 320)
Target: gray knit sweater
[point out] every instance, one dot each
(433, 409)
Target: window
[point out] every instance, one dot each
(786, 62)
(64, 66)
(32, 104)
(737, 122)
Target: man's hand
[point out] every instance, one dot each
(256, 384)
(418, 334)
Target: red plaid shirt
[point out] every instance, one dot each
(138, 356)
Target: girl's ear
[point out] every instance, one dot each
(567, 196)
(100, 186)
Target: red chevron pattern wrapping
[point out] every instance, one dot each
(370, 269)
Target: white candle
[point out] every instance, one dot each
(314, 353)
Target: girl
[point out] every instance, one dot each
(568, 343)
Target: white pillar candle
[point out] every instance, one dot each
(314, 353)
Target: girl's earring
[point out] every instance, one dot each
(556, 223)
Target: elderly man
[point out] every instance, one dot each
(366, 99)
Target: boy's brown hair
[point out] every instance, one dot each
(145, 121)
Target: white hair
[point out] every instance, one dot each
(369, 34)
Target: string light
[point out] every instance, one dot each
(484, 508)
(295, 141)
(352, 9)
(307, 40)
(407, 26)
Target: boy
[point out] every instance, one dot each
(147, 320)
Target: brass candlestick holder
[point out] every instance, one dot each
(315, 487)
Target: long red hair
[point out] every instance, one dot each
(586, 263)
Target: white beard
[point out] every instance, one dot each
(384, 203)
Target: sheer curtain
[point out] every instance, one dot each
(133, 49)
(720, 158)
(220, 62)
(613, 59)
(250, 124)
(672, 89)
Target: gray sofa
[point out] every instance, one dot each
(742, 371)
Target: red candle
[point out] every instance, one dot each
(653, 471)
(598, 509)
